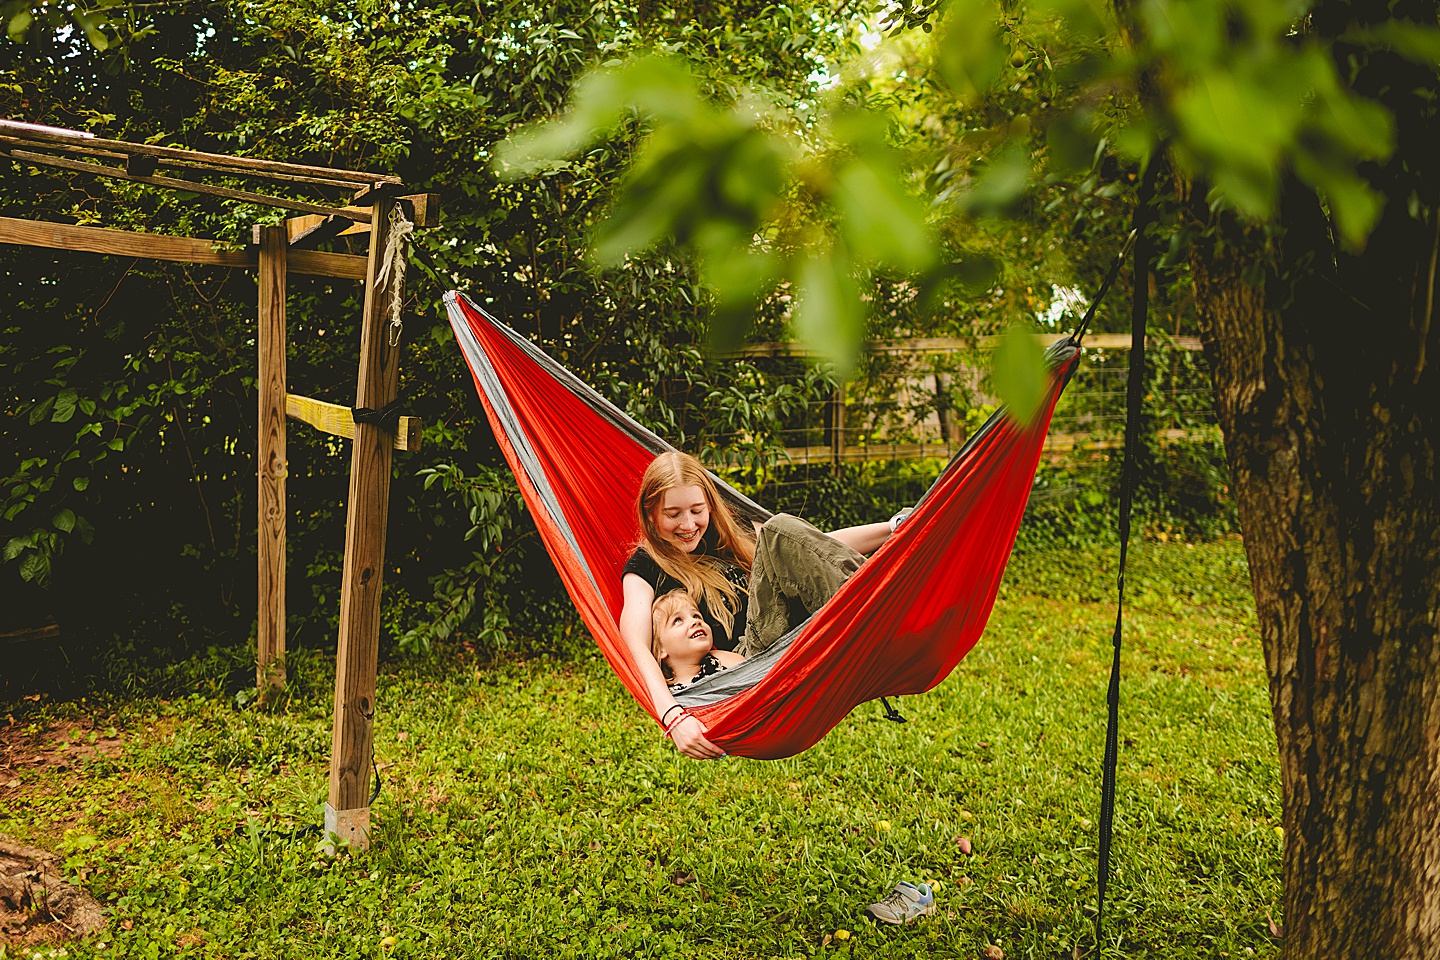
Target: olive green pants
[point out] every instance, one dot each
(797, 568)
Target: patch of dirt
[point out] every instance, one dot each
(58, 747)
(36, 905)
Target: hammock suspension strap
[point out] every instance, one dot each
(890, 712)
(1135, 391)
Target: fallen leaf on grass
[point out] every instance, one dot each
(680, 878)
(825, 940)
(1277, 930)
(993, 952)
(965, 846)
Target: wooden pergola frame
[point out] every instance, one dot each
(276, 251)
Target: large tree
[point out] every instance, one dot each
(1300, 186)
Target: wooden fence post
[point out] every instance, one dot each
(836, 417)
(347, 813)
(270, 338)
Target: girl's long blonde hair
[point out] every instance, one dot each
(704, 576)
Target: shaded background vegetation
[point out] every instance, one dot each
(127, 421)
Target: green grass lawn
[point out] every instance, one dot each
(530, 809)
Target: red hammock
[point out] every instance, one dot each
(897, 627)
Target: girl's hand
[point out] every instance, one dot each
(690, 739)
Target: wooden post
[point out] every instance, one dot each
(270, 337)
(836, 411)
(347, 814)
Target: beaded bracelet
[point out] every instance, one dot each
(679, 719)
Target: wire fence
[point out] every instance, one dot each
(913, 404)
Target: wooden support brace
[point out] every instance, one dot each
(338, 421)
(156, 246)
(347, 812)
(192, 186)
(270, 338)
(217, 162)
(421, 209)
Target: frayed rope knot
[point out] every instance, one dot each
(391, 275)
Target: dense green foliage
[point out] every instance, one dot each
(126, 438)
(529, 810)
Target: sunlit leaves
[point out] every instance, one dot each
(1071, 143)
(1019, 373)
(730, 183)
(1419, 42)
(968, 49)
(828, 314)
(656, 87)
(1000, 183)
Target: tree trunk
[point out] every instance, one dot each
(1325, 382)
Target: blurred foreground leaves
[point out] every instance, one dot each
(1014, 99)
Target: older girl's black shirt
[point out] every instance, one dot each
(644, 566)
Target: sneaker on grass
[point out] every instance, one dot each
(907, 902)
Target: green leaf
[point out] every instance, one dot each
(1019, 373)
(827, 313)
(41, 410)
(64, 521)
(1071, 143)
(658, 87)
(882, 223)
(646, 211)
(18, 545)
(1000, 184)
(65, 405)
(80, 483)
(19, 26)
(90, 24)
(968, 51)
(1415, 41)
(35, 569)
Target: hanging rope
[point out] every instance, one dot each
(1135, 391)
(391, 275)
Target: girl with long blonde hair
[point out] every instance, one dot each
(750, 582)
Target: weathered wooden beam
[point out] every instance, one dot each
(155, 246)
(313, 229)
(1054, 443)
(223, 162)
(421, 209)
(339, 421)
(270, 338)
(64, 148)
(347, 812)
(47, 631)
(192, 186)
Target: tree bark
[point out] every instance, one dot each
(1330, 405)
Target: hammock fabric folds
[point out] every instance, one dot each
(897, 627)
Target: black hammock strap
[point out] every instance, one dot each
(387, 418)
(1135, 390)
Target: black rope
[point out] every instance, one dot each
(387, 418)
(1135, 392)
(890, 712)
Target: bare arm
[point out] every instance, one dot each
(865, 538)
(689, 735)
